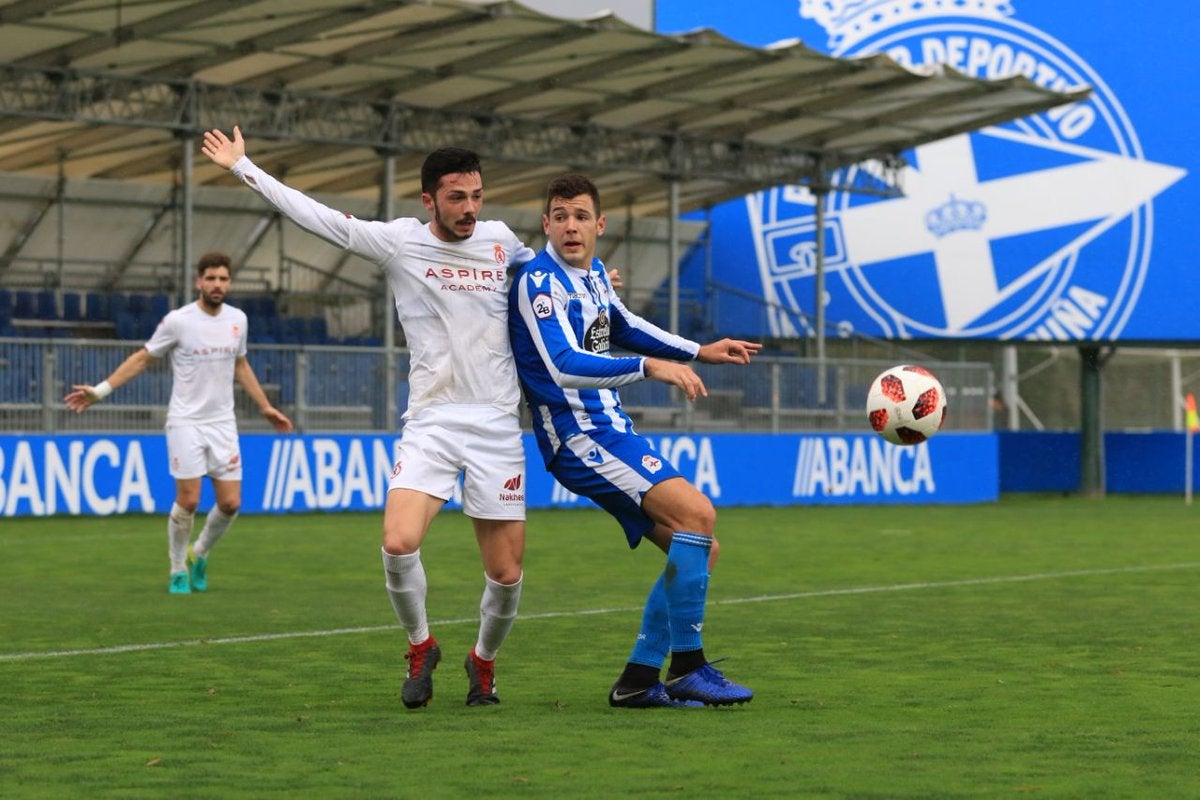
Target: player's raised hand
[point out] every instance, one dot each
(676, 374)
(728, 351)
(222, 150)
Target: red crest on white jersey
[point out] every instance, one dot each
(500, 255)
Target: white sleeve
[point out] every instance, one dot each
(245, 337)
(368, 239)
(165, 337)
(521, 253)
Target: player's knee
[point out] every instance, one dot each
(187, 503)
(229, 507)
(683, 507)
(700, 516)
(399, 547)
(506, 574)
(399, 541)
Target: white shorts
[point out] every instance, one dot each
(210, 449)
(481, 442)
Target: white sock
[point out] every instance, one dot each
(406, 585)
(497, 611)
(179, 533)
(214, 528)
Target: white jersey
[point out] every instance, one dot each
(204, 349)
(451, 297)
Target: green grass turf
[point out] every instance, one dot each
(1041, 647)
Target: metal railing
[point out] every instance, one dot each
(331, 389)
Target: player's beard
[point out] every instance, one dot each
(447, 224)
(210, 302)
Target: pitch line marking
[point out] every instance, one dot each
(854, 590)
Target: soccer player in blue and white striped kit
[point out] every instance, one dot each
(563, 313)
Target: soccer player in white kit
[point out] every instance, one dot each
(449, 280)
(206, 341)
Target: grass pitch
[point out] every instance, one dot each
(1038, 647)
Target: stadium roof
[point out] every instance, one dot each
(322, 88)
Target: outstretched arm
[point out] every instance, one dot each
(723, 351)
(249, 381)
(82, 396)
(639, 335)
(372, 240)
(728, 351)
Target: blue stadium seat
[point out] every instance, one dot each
(96, 307)
(118, 304)
(47, 305)
(24, 305)
(126, 325)
(261, 334)
(72, 310)
(160, 305)
(146, 323)
(295, 330)
(6, 300)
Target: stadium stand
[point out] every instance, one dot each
(133, 316)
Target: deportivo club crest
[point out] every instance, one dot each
(1014, 232)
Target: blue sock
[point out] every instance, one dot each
(654, 639)
(686, 585)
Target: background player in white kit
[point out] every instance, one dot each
(449, 280)
(206, 341)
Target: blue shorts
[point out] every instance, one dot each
(614, 470)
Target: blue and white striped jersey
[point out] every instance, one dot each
(561, 320)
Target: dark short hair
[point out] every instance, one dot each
(446, 161)
(213, 259)
(572, 185)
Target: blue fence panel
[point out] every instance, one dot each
(1032, 461)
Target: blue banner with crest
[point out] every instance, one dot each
(1071, 225)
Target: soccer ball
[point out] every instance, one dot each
(906, 404)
